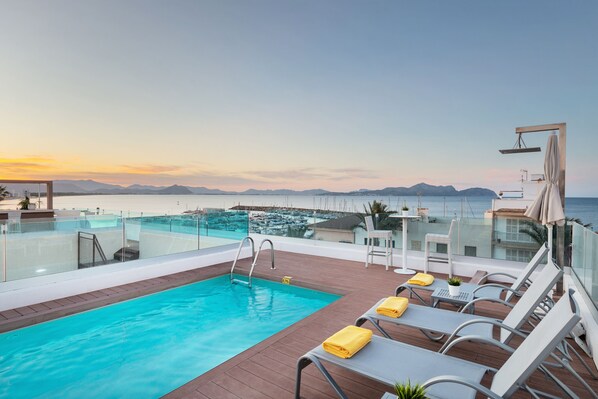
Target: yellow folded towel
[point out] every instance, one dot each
(421, 279)
(347, 341)
(393, 306)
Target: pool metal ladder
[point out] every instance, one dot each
(254, 256)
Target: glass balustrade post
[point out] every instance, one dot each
(459, 233)
(198, 233)
(124, 241)
(4, 233)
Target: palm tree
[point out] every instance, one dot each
(296, 231)
(536, 231)
(539, 233)
(3, 193)
(380, 212)
(376, 207)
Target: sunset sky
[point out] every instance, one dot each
(339, 95)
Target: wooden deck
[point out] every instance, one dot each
(268, 369)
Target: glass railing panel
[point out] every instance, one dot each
(100, 244)
(3, 238)
(579, 250)
(50, 246)
(584, 259)
(223, 228)
(473, 238)
(163, 235)
(302, 223)
(483, 237)
(187, 224)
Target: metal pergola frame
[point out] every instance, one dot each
(562, 131)
(49, 189)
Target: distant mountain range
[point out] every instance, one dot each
(427, 190)
(79, 187)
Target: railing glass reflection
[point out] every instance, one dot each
(477, 237)
(584, 259)
(41, 247)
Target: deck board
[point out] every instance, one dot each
(267, 370)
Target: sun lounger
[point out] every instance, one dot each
(490, 290)
(445, 322)
(444, 376)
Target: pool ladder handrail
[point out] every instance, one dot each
(254, 257)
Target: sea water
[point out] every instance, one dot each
(586, 209)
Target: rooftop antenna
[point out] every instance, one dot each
(520, 147)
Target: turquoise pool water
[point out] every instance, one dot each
(148, 346)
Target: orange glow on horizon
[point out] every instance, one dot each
(47, 168)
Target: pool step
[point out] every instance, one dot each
(254, 256)
(125, 254)
(91, 264)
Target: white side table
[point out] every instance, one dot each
(405, 219)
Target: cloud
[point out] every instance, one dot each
(150, 169)
(35, 167)
(23, 166)
(333, 174)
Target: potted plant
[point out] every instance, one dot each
(24, 204)
(454, 286)
(408, 391)
(405, 209)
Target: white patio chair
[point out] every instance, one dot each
(372, 234)
(440, 239)
(14, 222)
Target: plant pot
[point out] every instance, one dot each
(454, 290)
(405, 213)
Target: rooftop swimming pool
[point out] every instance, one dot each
(148, 346)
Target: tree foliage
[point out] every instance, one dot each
(380, 212)
(539, 234)
(24, 203)
(3, 193)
